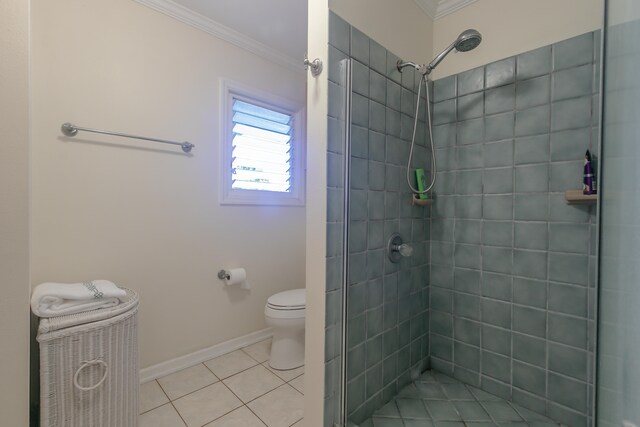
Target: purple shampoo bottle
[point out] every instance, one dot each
(589, 179)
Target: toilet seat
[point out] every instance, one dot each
(288, 300)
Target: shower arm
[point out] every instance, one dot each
(422, 69)
(426, 69)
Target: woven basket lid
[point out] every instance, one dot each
(51, 324)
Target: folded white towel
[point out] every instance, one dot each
(59, 299)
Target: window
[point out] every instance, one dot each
(263, 155)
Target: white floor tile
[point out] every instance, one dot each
(206, 405)
(186, 381)
(279, 408)
(164, 416)
(287, 375)
(298, 383)
(252, 383)
(230, 364)
(259, 351)
(241, 417)
(151, 396)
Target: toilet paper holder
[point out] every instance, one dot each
(235, 276)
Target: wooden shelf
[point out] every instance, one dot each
(416, 201)
(576, 197)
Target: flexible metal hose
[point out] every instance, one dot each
(413, 139)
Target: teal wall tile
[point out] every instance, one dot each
(529, 378)
(531, 235)
(496, 366)
(498, 154)
(574, 51)
(500, 73)
(497, 233)
(496, 339)
(530, 321)
(500, 99)
(532, 149)
(534, 63)
(471, 81)
(530, 292)
(533, 92)
(530, 349)
(573, 82)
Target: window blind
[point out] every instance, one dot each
(262, 152)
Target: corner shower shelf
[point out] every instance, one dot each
(576, 197)
(415, 201)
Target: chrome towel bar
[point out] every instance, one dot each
(69, 129)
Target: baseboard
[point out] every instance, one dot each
(170, 366)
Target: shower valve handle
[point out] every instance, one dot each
(405, 250)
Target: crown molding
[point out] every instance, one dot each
(445, 7)
(222, 32)
(436, 9)
(430, 7)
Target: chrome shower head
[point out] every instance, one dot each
(468, 40)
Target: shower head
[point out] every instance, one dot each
(466, 41)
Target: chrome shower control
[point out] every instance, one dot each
(396, 249)
(404, 249)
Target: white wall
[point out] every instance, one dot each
(144, 215)
(14, 212)
(510, 27)
(398, 25)
(317, 96)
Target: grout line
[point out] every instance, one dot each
(171, 402)
(165, 404)
(162, 404)
(232, 375)
(256, 415)
(225, 414)
(178, 412)
(191, 392)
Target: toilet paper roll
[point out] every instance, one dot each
(237, 276)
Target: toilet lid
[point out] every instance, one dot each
(288, 300)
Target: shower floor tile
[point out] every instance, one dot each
(436, 400)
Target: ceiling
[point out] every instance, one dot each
(279, 24)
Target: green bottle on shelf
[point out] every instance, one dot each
(421, 180)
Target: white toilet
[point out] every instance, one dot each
(284, 313)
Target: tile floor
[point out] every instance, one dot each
(436, 400)
(238, 389)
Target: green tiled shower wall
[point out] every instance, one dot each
(388, 329)
(500, 291)
(512, 265)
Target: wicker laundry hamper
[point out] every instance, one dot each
(89, 368)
